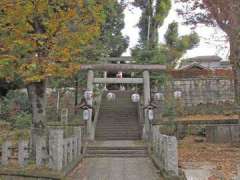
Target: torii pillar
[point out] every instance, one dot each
(90, 80)
(147, 96)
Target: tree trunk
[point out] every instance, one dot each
(76, 95)
(38, 101)
(235, 61)
(236, 71)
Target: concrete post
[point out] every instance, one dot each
(65, 154)
(56, 149)
(90, 80)
(64, 116)
(146, 87)
(70, 149)
(78, 133)
(41, 151)
(75, 147)
(6, 152)
(23, 153)
(172, 155)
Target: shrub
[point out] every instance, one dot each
(23, 120)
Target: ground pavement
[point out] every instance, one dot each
(115, 168)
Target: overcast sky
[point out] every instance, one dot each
(212, 38)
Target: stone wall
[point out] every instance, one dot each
(228, 133)
(204, 90)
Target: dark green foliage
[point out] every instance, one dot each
(171, 35)
(176, 46)
(23, 120)
(111, 41)
(146, 56)
(156, 15)
(16, 110)
(149, 51)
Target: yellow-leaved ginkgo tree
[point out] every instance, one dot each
(41, 39)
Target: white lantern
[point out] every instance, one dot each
(177, 94)
(111, 96)
(150, 114)
(159, 96)
(135, 97)
(88, 95)
(86, 115)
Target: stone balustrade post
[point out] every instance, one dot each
(78, 134)
(75, 147)
(70, 149)
(41, 151)
(172, 155)
(6, 152)
(56, 149)
(65, 153)
(23, 153)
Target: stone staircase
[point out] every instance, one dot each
(121, 152)
(118, 119)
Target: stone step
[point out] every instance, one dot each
(118, 119)
(118, 132)
(117, 128)
(112, 134)
(117, 138)
(142, 147)
(114, 116)
(138, 151)
(116, 152)
(108, 137)
(115, 155)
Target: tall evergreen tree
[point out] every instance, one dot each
(176, 46)
(149, 50)
(153, 14)
(111, 42)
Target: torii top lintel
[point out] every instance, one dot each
(124, 67)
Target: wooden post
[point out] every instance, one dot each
(76, 95)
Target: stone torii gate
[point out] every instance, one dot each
(145, 80)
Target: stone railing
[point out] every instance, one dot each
(55, 151)
(164, 152)
(19, 152)
(64, 153)
(223, 133)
